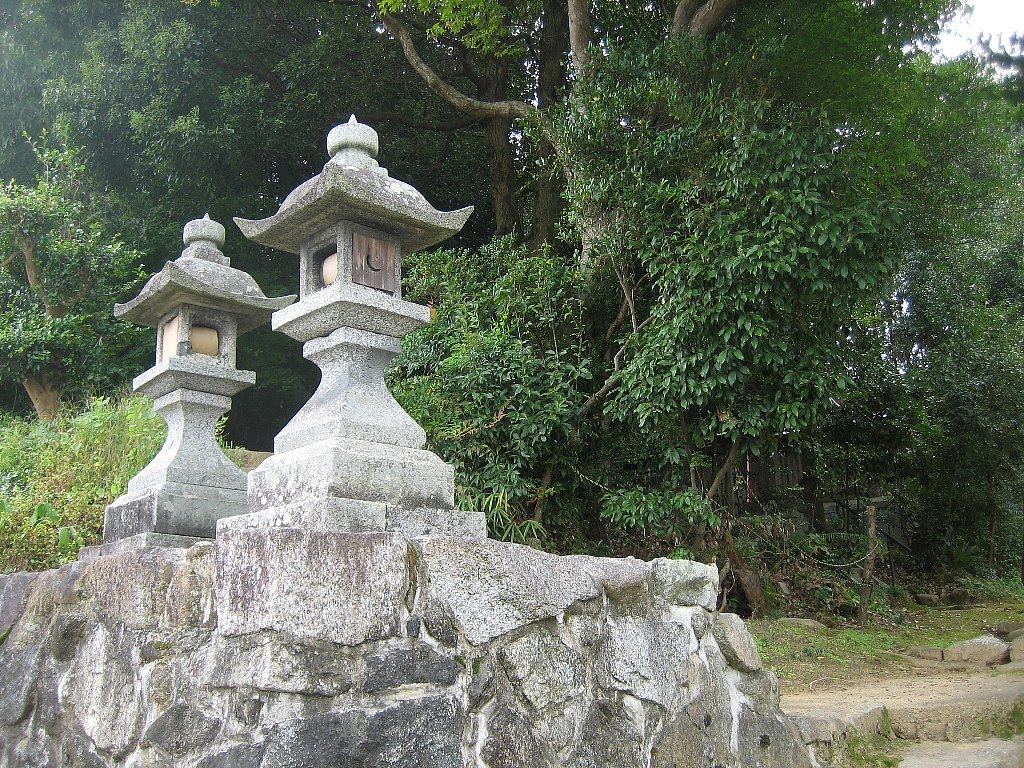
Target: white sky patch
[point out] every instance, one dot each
(998, 19)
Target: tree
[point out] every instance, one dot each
(60, 274)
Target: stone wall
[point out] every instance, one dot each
(285, 648)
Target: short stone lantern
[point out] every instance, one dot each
(199, 305)
(352, 459)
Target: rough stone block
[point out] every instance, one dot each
(418, 665)
(612, 734)
(352, 516)
(266, 662)
(1017, 649)
(624, 579)
(808, 624)
(979, 650)
(737, 645)
(686, 583)
(153, 587)
(483, 589)
(13, 595)
(181, 729)
(646, 658)
(761, 688)
(1007, 628)
(422, 733)
(928, 652)
(768, 740)
(343, 587)
(138, 541)
(104, 693)
(239, 756)
(20, 656)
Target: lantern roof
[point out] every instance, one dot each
(353, 187)
(202, 276)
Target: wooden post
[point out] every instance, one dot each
(869, 564)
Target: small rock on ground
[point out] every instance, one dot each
(810, 624)
(930, 652)
(979, 650)
(1017, 649)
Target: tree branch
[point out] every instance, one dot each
(609, 385)
(623, 309)
(627, 292)
(455, 97)
(456, 124)
(683, 15)
(723, 470)
(709, 17)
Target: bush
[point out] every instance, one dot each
(56, 477)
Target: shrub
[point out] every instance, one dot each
(56, 477)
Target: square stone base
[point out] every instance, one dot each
(343, 468)
(355, 516)
(172, 508)
(139, 541)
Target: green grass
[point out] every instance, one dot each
(56, 477)
(1011, 725)
(871, 753)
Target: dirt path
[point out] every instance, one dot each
(927, 713)
(972, 693)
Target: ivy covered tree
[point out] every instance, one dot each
(61, 271)
(742, 234)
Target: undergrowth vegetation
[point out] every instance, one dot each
(56, 477)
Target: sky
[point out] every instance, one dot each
(990, 17)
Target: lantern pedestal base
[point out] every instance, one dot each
(357, 486)
(171, 508)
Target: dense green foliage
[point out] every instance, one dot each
(56, 477)
(60, 276)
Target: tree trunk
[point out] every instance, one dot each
(45, 396)
(1022, 562)
(551, 83)
(868, 572)
(747, 578)
(502, 177)
(993, 528)
(500, 157)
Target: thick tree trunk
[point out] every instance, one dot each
(501, 166)
(551, 82)
(747, 578)
(500, 157)
(45, 396)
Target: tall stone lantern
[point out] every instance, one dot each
(352, 459)
(199, 305)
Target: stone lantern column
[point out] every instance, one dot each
(199, 304)
(352, 459)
